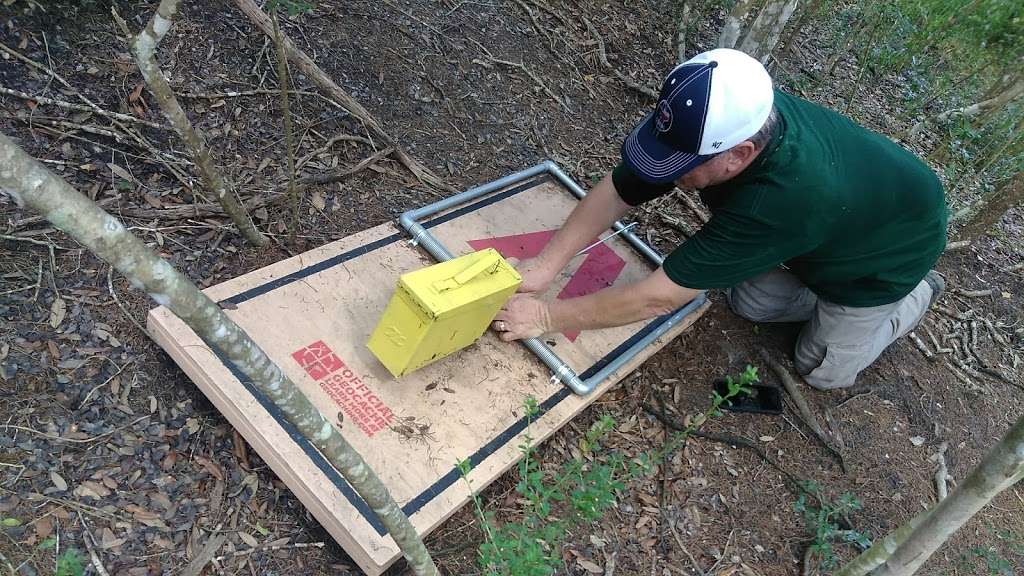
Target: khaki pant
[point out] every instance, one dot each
(837, 342)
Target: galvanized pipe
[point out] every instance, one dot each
(561, 371)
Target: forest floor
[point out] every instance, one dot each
(144, 460)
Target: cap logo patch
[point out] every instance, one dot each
(663, 118)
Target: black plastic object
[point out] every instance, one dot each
(761, 400)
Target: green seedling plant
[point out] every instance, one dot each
(579, 492)
(823, 522)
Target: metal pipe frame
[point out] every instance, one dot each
(561, 371)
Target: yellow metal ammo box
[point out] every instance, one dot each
(442, 308)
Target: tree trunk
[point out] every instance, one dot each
(806, 15)
(1001, 468)
(734, 24)
(144, 47)
(993, 206)
(764, 33)
(1009, 94)
(286, 121)
(29, 182)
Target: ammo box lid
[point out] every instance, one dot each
(448, 286)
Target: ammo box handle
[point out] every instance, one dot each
(487, 263)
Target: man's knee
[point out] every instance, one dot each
(744, 302)
(830, 366)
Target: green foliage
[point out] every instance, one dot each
(69, 563)
(823, 522)
(989, 561)
(579, 491)
(7, 522)
(293, 7)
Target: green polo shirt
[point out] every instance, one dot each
(857, 218)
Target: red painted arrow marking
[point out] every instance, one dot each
(599, 269)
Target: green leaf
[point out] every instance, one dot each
(10, 522)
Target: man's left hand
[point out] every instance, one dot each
(522, 317)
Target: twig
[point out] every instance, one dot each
(345, 173)
(91, 546)
(248, 551)
(533, 77)
(679, 541)
(801, 403)
(327, 146)
(976, 293)
(73, 106)
(261, 91)
(941, 472)
(105, 382)
(73, 126)
(113, 294)
(961, 376)
(74, 440)
(957, 245)
(729, 439)
(7, 562)
(603, 58)
(921, 346)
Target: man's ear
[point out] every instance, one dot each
(740, 154)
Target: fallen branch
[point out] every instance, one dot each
(308, 67)
(729, 439)
(602, 56)
(73, 106)
(941, 472)
(345, 173)
(144, 47)
(793, 389)
(921, 346)
(957, 245)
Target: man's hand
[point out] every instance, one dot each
(537, 276)
(522, 317)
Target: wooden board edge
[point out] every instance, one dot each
(310, 499)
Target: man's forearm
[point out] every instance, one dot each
(620, 305)
(595, 213)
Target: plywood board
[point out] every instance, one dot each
(313, 314)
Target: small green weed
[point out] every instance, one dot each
(69, 563)
(823, 523)
(989, 561)
(580, 491)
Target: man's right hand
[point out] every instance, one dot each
(536, 277)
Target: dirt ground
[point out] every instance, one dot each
(148, 467)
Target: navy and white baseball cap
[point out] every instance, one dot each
(707, 105)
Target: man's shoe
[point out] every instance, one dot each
(937, 284)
